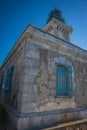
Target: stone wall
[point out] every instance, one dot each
(33, 89)
(14, 98)
(46, 119)
(39, 87)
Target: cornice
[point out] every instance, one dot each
(46, 38)
(51, 40)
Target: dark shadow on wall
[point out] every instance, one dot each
(5, 123)
(3, 118)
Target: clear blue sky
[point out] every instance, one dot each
(15, 15)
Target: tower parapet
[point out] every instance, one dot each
(56, 25)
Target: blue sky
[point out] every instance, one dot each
(15, 15)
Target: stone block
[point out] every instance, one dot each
(29, 79)
(30, 62)
(52, 84)
(35, 31)
(33, 54)
(28, 107)
(52, 68)
(19, 104)
(36, 121)
(32, 71)
(29, 88)
(52, 77)
(83, 114)
(52, 92)
(27, 98)
(23, 123)
(35, 42)
(32, 47)
(52, 39)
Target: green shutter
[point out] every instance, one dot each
(9, 79)
(63, 80)
(2, 77)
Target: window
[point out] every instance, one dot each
(9, 77)
(64, 80)
(2, 78)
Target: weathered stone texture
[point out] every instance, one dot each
(38, 78)
(34, 80)
(47, 120)
(15, 60)
(36, 75)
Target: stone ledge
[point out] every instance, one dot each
(46, 36)
(51, 112)
(44, 113)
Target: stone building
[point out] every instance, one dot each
(43, 80)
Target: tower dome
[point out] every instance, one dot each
(57, 14)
